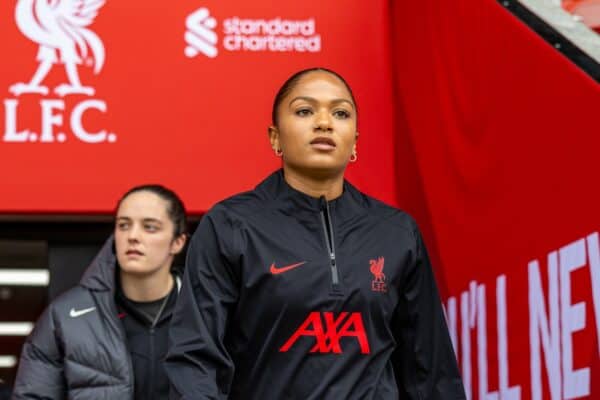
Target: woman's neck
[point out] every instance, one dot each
(330, 186)
(143, 288)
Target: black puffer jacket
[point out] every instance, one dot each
(78, 348)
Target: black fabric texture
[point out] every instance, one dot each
(147, 343)
(286, 296)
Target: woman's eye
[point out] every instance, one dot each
(151, 228)
(303, 112)
(122, 225)
(341, 114)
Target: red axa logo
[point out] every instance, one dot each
(327, 330)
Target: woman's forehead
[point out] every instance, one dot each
(143, 204)
(319, 82)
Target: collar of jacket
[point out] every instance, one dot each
(100, 274)
(290, 200)
(131, 308)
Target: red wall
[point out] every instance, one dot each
(198, 125)
(504, 132)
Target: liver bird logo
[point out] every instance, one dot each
(376, 267)
(60, 27)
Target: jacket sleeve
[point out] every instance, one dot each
(40, 373)
(198, 364)
(425, 363)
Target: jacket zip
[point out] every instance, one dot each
(329, 241)
(152, 330)
(151, 388)
(113, 315)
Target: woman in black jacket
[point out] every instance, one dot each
(305, 288)
(107, 337)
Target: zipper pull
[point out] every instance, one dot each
(323, 204)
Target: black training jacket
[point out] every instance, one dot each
(290, 297)
(147, 341)
(79, 350)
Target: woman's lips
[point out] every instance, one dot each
(323, 143)
(134, 253)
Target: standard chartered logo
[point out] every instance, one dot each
(199, 36)
(250, 35)
(276, 35)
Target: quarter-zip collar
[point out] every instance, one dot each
(291, 200)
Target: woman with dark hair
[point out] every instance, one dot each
(306, 288)
(107, 337)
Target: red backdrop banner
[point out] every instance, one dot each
(503, 127)
(97, 97)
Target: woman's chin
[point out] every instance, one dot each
(320, 166)
(136, 268)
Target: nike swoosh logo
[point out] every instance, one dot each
(78, 313)
(274, 270)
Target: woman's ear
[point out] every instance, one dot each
(355, 142)
(178, 244)
(274, 137)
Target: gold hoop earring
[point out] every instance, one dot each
(278, 152)
(354, 157)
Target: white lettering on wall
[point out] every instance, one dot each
(594, 261)
(544, 328)
(52, 118)
(506, 391)
(10, 122)
(576, 383)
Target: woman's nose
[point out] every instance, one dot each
(323, 121)
(133, 233)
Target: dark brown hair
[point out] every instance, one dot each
(175, 208)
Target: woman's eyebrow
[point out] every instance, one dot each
(313, 100)
(147, 219)
(158, 221)
(338, 101)
(305, 98)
